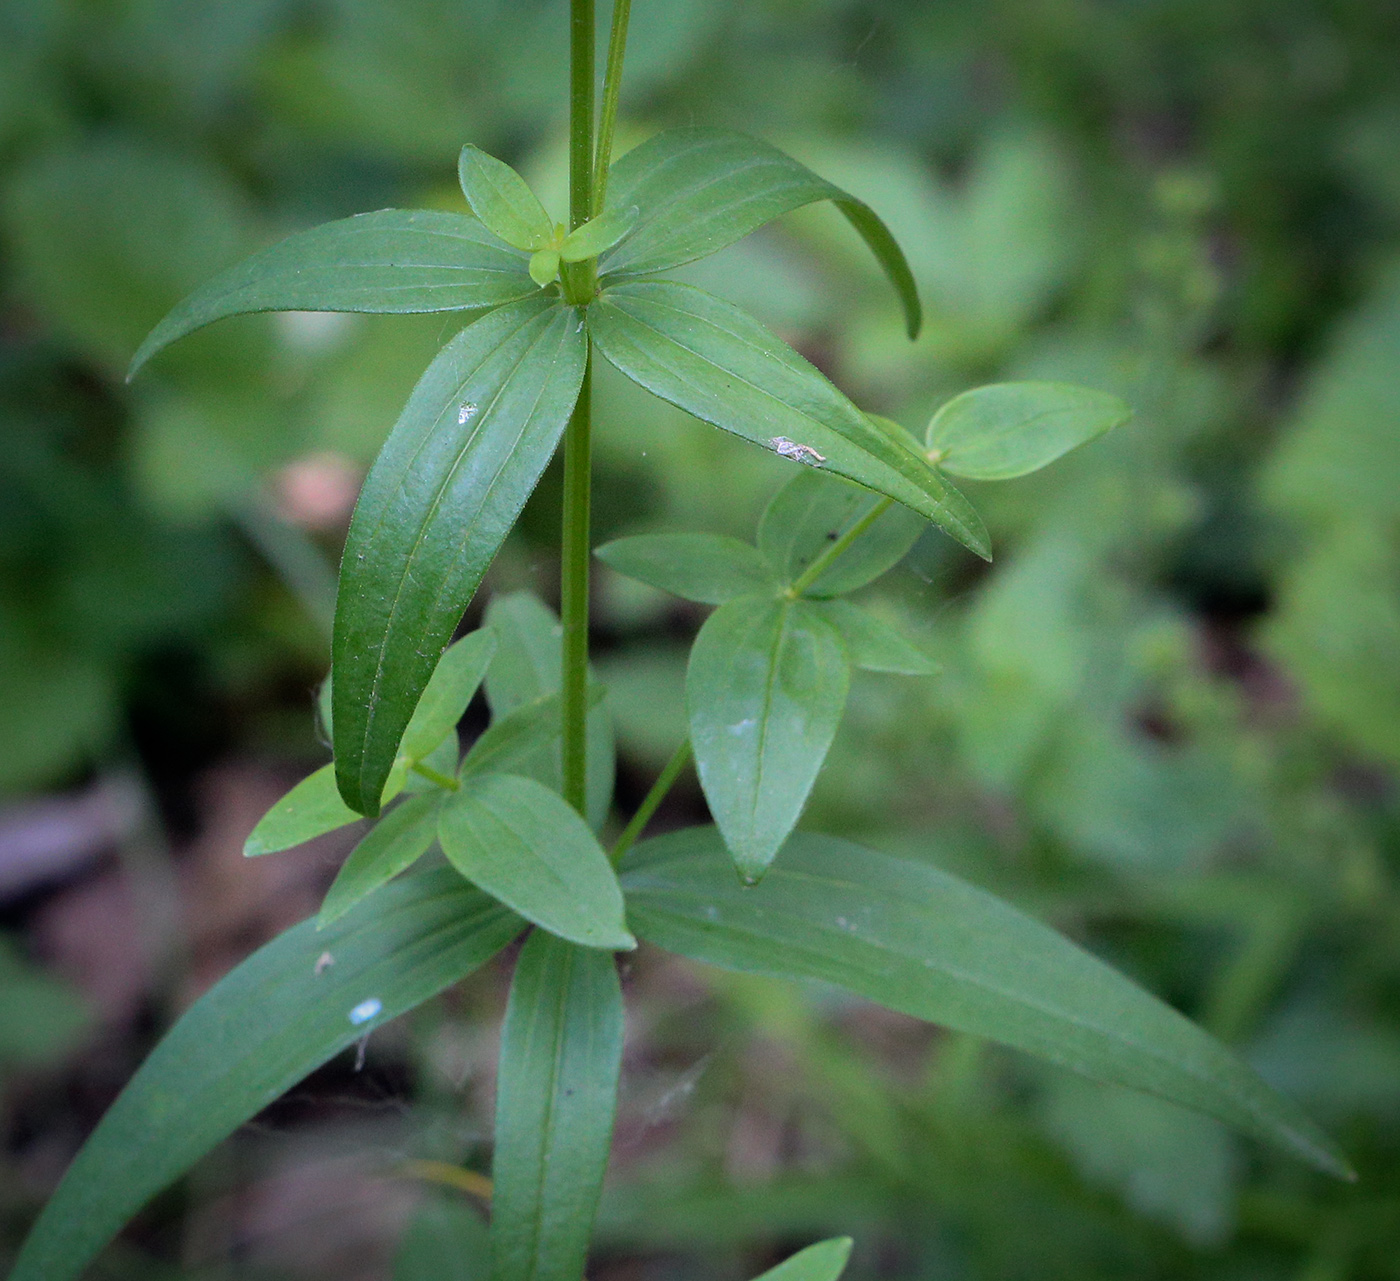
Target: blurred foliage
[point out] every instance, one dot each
(1169, 717)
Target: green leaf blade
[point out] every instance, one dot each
(873, 644)
(561, 1054)
(707, 568)
(701, 189)
(503, 201)
(393, 261)
(765, 689)
(599, 234)
(455, 679)
(464, 456)
(715, 361)
(311, 809)
(391, 846)
(924, 943)
(1006, 430)
(526, 846)
(824, 1261)
(277, 1017)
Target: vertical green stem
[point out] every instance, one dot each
(580, 112)
(573, 600)
(612, 89)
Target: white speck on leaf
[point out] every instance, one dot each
(366, 1010)
(743, 726)
(323, 963)
(465, 413)
(786, 448)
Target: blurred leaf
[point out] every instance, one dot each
(764, 691)
(872, 643)
(1007, 430)
(721, 365)
(561, 1052)
(394, 260)
(812, 511)
(472, 441)
(252, 1036)
(450, 688)
(446, 1240)
(708, 568)
(41, 1018)
(501, 199)
(702, 189)
(514, 739)
(397, 841)
(824, 1261)
(921, 942)
(526, 846)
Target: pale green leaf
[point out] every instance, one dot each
(511, 742)
(598, 234)
(871, 642)
(824, 1261)
(450, 688)
(392, 845)
(708, 568)
(503, 201)
(311, 809)
(544, 267)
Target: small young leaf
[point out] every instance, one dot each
(1006, 430)
(450, 688)
(393, 845)
(715, 361)
(702, 189)
(277, 1017)
(561, 1052)
(871, 642)
(599, 234)
(824, 1261)
(527, 667)
(503, 201)
(544, 267)
(764, 692)
(924, 943)
(311, 809)
(395, 260)
(812, 511)
(708, 568)
(526, 846)
(464, 456)
(512, 741)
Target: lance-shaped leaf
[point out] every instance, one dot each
(871, 642)
(925, 943)
(283, 1012)
(396, 260)
(450, 688)
(708, 568)
(464, 456)
(598, 234)
(1005, 430)
(813, 511)
(503, 201)
(513, 741)
(528, 847)
(702, 189)
(392, 846)
(764, 691)
(311, 809)
(717, 362)
(824, 1261)
(561, 1051)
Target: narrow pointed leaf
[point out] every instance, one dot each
(561, 1052)
(455, 679)
(393, 844)
(871, 642)
(503, 201)
(527, 667)
(311, 809)
(715, 361)
(396, 260)
(512, 741)
(464, 456)
(598, 234)
(702, 189)
(927, 944)
(257, 1032)
(814, 510)
(708, 568)
(824, 1261)
(1007, 430)
(526, 846)
(764, 691)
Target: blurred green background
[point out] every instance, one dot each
(1169, 716)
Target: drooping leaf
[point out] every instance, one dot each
(561, 1051)
(311, 809)
(288, 1008)
(715, 361)
(824, 1261)
(503, 201)
(598, 234)
(709, 568)
(529, 666)
(925, 943)
(812, 511)
(512, 741)
(701, 189)
(526, 846)
(871, 642)
(392, 845)
(450, 688)
(1005, 430)
(396, 260)
(472, 441)
(764, 691)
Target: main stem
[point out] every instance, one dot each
(578, 443)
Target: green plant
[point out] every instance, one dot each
(517, 817)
